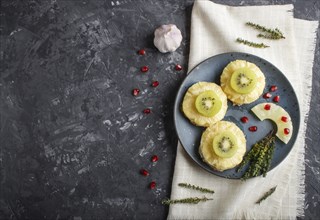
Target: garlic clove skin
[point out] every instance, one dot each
(167, 38)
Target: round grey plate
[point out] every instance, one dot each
(210, 71)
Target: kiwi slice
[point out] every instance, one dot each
(243, 80)
(208, 103)
(225, 144)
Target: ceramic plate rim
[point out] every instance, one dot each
(177, 105)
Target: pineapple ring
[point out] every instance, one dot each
(279, 116)
(206, 150)
(238, 98)
(189, 108)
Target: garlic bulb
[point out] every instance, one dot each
(167, 38)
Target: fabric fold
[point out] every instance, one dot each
(214, 29)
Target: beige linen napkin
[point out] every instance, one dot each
(214, 29)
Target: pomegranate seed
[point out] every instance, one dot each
(178, 67)
(144, 172)
(267, 107)
(144, 69)
(286, 131)
(284, 119)
(273, 88)
(244, 119)
(267, 95)
(152, 185)
(142, 52)
(147, 111)
(155, 83)
(135, 92)
(253, 128)
(276, 98)
(154, 158)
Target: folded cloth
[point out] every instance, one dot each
(214, 29)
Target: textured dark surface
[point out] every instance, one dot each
(73, 138)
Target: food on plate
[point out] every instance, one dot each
(204, 104)
(279, 116)
(273, 88)
(244, 119)
(167, 38)
(222, 145)
(242, 81)
(253, 128)
(225, 144)
(258, 158)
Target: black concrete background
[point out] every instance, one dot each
(73, 139)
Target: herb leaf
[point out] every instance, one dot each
(251, 44)
(259, 157)
(266, 195)
(190, 200)
(198, 188)
(273, 34)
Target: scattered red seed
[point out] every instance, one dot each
(155, 83)
(178, 67)
(142, 52)
(154, 158)
(152, 185)
(244, 119)
(135, 92)
(284, 119)
(144, 69)
(273, 88)
(276, 98)
(144, 172)
(286, 131)
(253, 128)
(147, 111)
(267, 107)
(267, 95)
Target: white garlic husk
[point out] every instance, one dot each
(167, 38)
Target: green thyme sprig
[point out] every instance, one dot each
(269, 36)
(190, 200)
(198, 188)
(273, 34)
(268, 158)
(251, 44)
(259, 157)
(266, 195)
